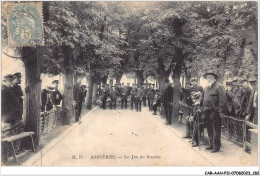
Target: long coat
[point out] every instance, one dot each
(78, 94)
(10, 106)
(214, 98)
(167, 95)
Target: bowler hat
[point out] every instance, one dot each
(17, 75)
(8, 77)
(210, 73)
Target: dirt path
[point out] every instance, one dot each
(121, 138)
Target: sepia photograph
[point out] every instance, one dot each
(131, 84)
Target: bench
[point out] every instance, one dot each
(17, 137)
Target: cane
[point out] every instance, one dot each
(198, 126)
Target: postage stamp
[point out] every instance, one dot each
(25, 24)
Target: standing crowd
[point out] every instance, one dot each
(238, 99)
(137, 95)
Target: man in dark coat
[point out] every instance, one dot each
(167, 101)
(214, 102)
(150, 96)
(103, 95)
(246, 93)
(11, 112)
(145, 90)
(78, 98)
(133, 96)
(55, 96)
(139, 97)
(113, 96)
(252, 109)
(17, 88)
(124, 95)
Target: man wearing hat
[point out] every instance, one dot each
(78, 99)
(252, 109)
(246, 92)
(214, 103)
(113, 97)
(145, 91)
(11, 113)
(124, 95)
(133, 96)
(139, 97)
(103, 96)
(55, 96)
(17, 88)
(11, 106)
(150, 96)
(167, 101)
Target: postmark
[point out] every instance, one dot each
(25, 24)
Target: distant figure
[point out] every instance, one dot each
(150, 97)
(78, 99)
(156, 102)
(124, 95)
(139, 97)
(56, 96)
(145, 90)
(133, 96)
(167, 101)
(113, 97)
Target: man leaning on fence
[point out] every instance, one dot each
(214, 102)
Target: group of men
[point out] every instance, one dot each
(138, 95)
(210, 105)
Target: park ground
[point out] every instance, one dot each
(129, 138)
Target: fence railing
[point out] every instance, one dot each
(49, 120)
(233, 129)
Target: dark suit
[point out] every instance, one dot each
(244, 102)
(56, 97)
(78, 96)
(167, 103)
(124, 96)
(113, 96)
(10, 106)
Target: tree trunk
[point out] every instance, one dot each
(118, 79)
(89, 93)
(104, 80)
(94, 96)
(32, 91)
(110, 83)
(140, 79)
(68, 85)
(176, 92)
(239, 57)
